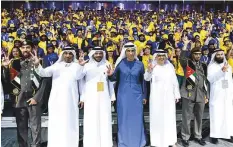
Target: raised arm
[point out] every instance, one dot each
(148, 73)
(113, 75)
(43, 72)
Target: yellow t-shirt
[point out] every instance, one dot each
(177, 36)
(71, 38)
(42, 44)
(79, 42)
(58, 50)
(110, 60)
(230, 61)
(140, 46)
(189, 24)
(8, 45)
(225, 48)
(13, 34)
(178, 68)
(146, 59)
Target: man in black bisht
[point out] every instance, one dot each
(27, 102)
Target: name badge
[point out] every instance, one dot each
(100, 86)
(224, 84)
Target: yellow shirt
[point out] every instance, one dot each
(5, 21)
(116, 39)
(146, 59)
(185, 25)
(230, 61)
(110, 60)
(228, 27)
(221, 43)
(71, 38)
(42, 44)
(151, 38)
(109, 25)
(58, 50)
(79, 42)
(13, 34)
(8, 45)
(178, 69)
(225, 48)
(140, 46)
(189, 24)
(177, 36)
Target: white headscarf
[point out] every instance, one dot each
(212, 61)
(158, 52)
(122, 55)
(61, 59)
(92, 52)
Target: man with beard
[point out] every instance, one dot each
(97, 119)
(63, 128)
(193, 92)
(221, 100)
(27, 103)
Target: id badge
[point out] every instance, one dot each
(100, 86)
(224, 84)
(31, 76)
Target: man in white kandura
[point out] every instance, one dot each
(97, 95)
(163, 98)
(63, 118)
(219, 75)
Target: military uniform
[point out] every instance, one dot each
(24, 90)
(193, 101)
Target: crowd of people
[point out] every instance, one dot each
(90, 59)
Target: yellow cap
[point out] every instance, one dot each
(76, 16)
(113, 31)
(147, 46)
(196, 33)
(103, 29)
(94, 39)
(226, 39)
(12, 25)
(140, 33)
(110, 49)
(165, 36)
(35, 25)
(130, 38)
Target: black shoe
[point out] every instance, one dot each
(185, 143)
(200, 141)
(214, 140)
(230, 140)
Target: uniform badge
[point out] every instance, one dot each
(189, 87)
(16, 91)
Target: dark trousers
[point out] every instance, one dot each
(33, 114)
